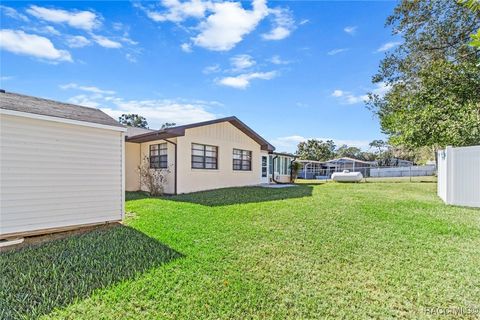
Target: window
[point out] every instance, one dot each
(204, 157)
(242, 160)
(282, 165)
(158, 156)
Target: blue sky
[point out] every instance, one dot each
(290, 70)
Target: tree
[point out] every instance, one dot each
(442, 109)
(351, 152)
(433, 77)
(168, 125)
(473, 5)
(379, 145)
(314, 149)
(133, 120)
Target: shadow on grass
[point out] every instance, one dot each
(136, 195)
(36, 279)
(239, 195)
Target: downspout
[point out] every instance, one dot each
(175, 167)
(291, 171)
(273, 169)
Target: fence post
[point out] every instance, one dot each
(410, 173)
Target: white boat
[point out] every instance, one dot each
(347, 176)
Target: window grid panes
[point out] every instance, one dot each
(242, 160)
(204, 156)
(158, 156)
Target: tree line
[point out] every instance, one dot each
(380, 151)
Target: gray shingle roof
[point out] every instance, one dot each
(23, 103)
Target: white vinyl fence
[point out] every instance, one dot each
(459, 176)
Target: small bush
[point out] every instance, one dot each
(153, 179)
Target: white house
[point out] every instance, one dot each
(61, 166)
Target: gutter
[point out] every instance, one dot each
(273, 170)
(291, 171)
(175, 167)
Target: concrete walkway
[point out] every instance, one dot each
(273, 185)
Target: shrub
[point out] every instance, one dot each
(153, 179)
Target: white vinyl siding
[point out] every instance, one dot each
(54, 174)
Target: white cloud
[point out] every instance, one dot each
(77, 41)
(277, 60)
(118, 26)
(177, 11)
(105, 42)
(51, 30)
(85, 20)
(290, 143)
(12, 13)
(130, 57)
(91, 89)
(381, 89)
(128, 40)
(304, 21)
(19, 42)
(242, 61)
(337, 93)
(186, 47)
(158, 112)
(48, 30)
(388, 46)
(222, 24)
(86, 100)
(346, 97)
(283, 24)
(5, 78)
(242, 81)
(211, 69)
(228, 24)
(350, 29)
(337, 51)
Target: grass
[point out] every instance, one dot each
(37, 279)
(367, 250)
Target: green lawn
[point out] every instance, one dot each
(367, 250)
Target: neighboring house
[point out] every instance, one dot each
(61, 165)
(311, 169)
(202, 156)
(394, 162)
(346, 163)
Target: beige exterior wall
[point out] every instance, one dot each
(226, 137)
(170, 175)
(132, 161)
(54, 174)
